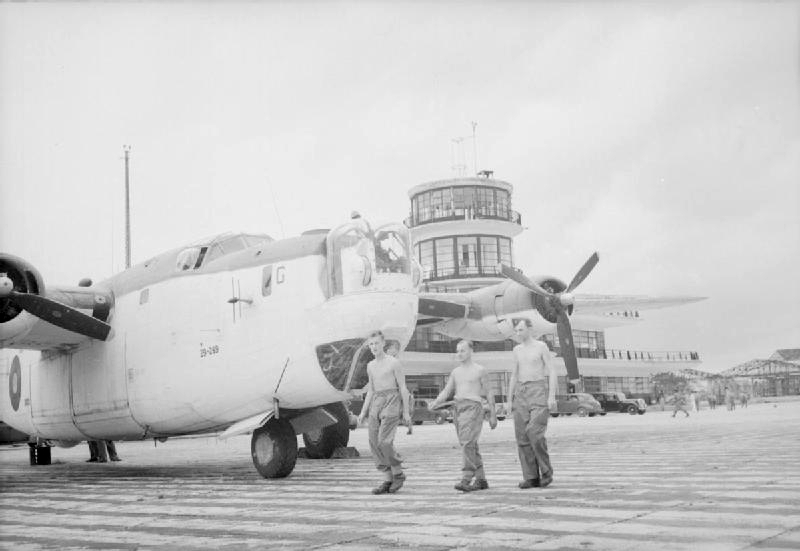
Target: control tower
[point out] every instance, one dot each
(461, 229)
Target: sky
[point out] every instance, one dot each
(665, 136)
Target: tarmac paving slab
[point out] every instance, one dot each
(718, 480)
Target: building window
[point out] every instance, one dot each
(489, 258)
(468, 256)
(445, 265)
(505, 251)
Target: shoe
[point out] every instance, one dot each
(116, 459)
(464, 486)
(382, 489)
(479, 484)
(546, 481)
(397, 483)
(102, 460)
(92, 460)
(530, 483)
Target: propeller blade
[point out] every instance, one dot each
(62, 315)
(520, 278)
(441, 308)
(567, 346)
(585, 270)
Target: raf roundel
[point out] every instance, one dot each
(15, 383)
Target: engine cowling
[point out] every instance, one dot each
(15, 322)
(494, 310)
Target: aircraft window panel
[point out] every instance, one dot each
(266, 281)
(280, 275)
(391, 251)
(233, 244)
(144, 296)
(187, 259)
(214, 252)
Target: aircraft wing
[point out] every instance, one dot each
(610, 304)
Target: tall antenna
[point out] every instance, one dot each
(474, 149)
(459, 161)
(127, 150)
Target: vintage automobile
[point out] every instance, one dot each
(617, 401)
(579, 403)
(421, 413)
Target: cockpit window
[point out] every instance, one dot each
(391, 250)
(350, 253)
(188, 259)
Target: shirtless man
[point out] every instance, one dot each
(530, 399)
(385, 403)
(469, 381)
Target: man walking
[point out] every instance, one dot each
(469, 382)
(385, 403)
(532, 395)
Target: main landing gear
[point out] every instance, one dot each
(274, 446)
(321, 443)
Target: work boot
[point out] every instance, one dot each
(92, 460)
(115, 458)
(397, 483)
(546, 480)
(530, 483)
(383, 488)
(464, 486)
(479, 484)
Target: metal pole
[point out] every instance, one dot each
(474, 149)
(127, 150)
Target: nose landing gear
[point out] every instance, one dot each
(274, 449)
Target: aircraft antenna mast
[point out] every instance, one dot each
(127, 150)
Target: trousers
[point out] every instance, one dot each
(531, 414)
(384, 417)
(468, 421)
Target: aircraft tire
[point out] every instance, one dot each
(274, 449)
(320, 444)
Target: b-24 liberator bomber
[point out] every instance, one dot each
(245, 334)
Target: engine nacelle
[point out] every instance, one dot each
(494, 311)
(15, 323)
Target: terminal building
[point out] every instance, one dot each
(461, 229)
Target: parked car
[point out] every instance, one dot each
(616, 401)
(500, 407)
(579, 403)
(421, 413)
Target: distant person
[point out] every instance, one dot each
(531, 397)
(386, 403)
(100, 451)
(679, 399)
(712, 401)
(743, 400)
(469, 382)
(730, 399)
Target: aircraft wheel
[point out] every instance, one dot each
(274, 449)
(321, 443)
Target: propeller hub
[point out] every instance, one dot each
(6, 285)
(567, 299)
